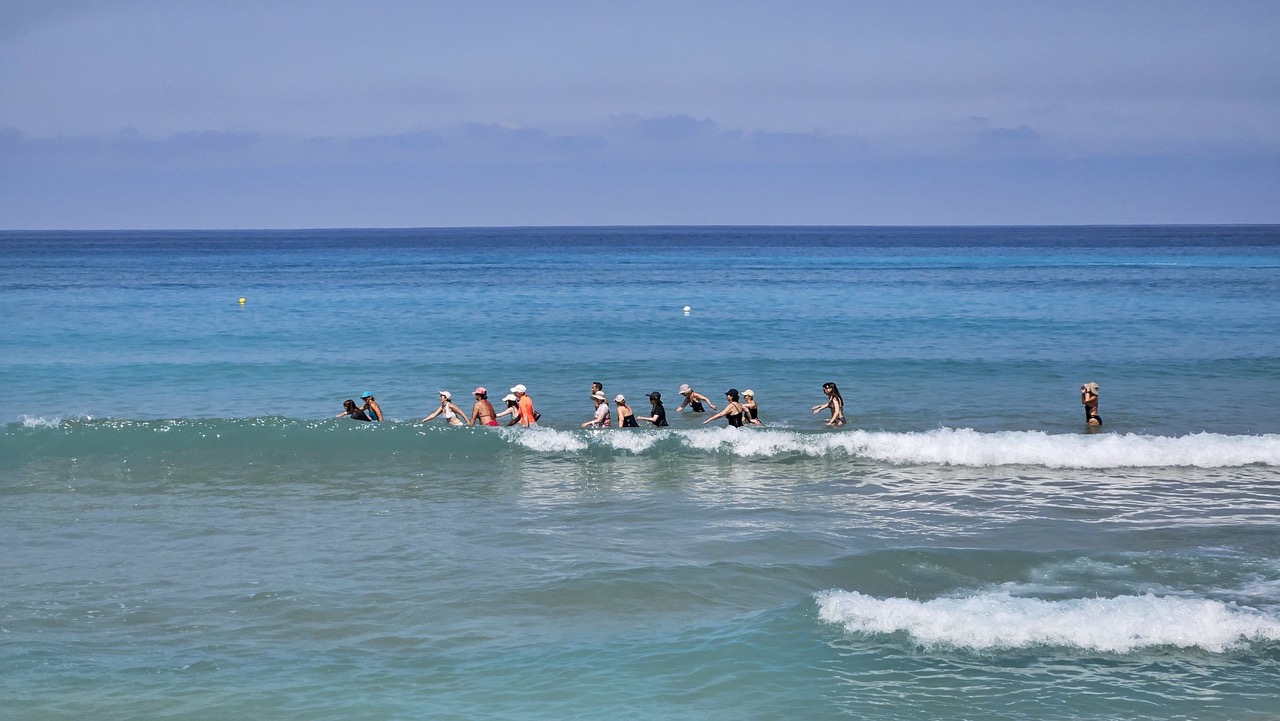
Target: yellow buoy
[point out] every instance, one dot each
(242, 301)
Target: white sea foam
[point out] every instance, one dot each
(966, 447)
(547, 440)
(998, 620)
(38, 422)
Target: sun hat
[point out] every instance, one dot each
(619, 398)
(598, 395)
(447, 395)
(731, 392)
(367, 394)
(510, 397)
(749, 393)
(519, 388)
(684, 388)
(480, 390)
(1091, 386)
(655, 396)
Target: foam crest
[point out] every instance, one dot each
(752, 441)
(546, 440)
(966, 447)
(951, 447)
(970, 448)
(1000, 621)
(38, 422)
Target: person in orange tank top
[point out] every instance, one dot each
(528, 416)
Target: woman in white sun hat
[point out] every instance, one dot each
(601, 417)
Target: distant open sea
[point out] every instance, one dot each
(187, 532)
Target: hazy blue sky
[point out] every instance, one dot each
(300, 113)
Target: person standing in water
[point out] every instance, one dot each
(513, 409)
(449, 409)
(349, 408)
(659, 417)
(733, 411)
(527, 415)
(626, 417)
(601, 417)
(835, 402)
(694, 400)
(753, 410)
(482, 411)
(371, 407)
(1089, 398)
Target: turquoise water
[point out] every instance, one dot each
(189, 533)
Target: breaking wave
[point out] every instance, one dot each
(986, 621)
(947, 447)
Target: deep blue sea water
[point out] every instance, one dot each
(187, 532)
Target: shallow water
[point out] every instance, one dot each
(188, 532)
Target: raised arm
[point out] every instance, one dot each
(721, 414)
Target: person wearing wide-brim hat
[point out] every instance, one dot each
(601, 417)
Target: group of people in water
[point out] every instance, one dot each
(740, 409)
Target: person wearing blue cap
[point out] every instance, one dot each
(371, 407)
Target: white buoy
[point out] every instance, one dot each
(687, 309)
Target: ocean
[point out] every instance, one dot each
(188, 532)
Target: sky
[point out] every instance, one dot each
(396, 113)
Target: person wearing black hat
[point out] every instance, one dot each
(659, 417)
(733, 410)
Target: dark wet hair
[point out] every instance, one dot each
(834, 392)
(349, 405)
